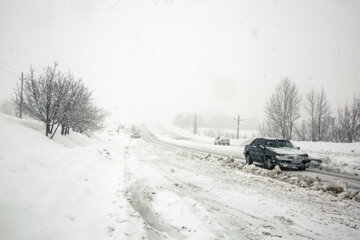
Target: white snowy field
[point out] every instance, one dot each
(230, 133)
(115, 187)
(336, 157)
(182, 134)
(184, 138)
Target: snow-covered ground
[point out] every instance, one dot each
(336, 157)
(181, 195)
(55, 189)
(115, 187)
(231, 204)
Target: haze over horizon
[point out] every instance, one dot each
(148, 60)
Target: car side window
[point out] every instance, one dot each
(255, 142)
(262, 142)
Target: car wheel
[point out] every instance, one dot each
(248, 159)
(268, 163)
(302, 167)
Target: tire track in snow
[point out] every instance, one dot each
(142, 192)
(229, 222)
(127, 224)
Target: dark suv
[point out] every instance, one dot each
(271, 152)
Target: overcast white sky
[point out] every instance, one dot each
(151, 59)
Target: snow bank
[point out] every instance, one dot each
(49, 191)
(335, 157)
(337, 188)
(73, 140)
(350, 149)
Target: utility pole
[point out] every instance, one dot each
(238, 123)
(21, 95)
(195, 124)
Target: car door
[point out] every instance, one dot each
(261, 151)
(253, 149)
(257, 151)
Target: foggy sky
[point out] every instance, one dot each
(151, 59)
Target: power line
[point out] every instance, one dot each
(9, 71)
(10, 68)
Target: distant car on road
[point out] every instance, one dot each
(222, 141)
(271, 152)
(136, 135)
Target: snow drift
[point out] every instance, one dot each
(51, 189)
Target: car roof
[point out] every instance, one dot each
(275, 139)
(269, 138)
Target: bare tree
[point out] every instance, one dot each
(43, 96)
(348, 129)
(59, 100)
(334, 129)
(74, 105)
(91, 120)
(310, 107)
(322, 115)
(283, 109)
(346, 126)
(318, 110)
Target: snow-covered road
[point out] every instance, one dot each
(186, 141)
(179, 195)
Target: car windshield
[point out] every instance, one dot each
(279, 143)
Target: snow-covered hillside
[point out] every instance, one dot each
(52, 189)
